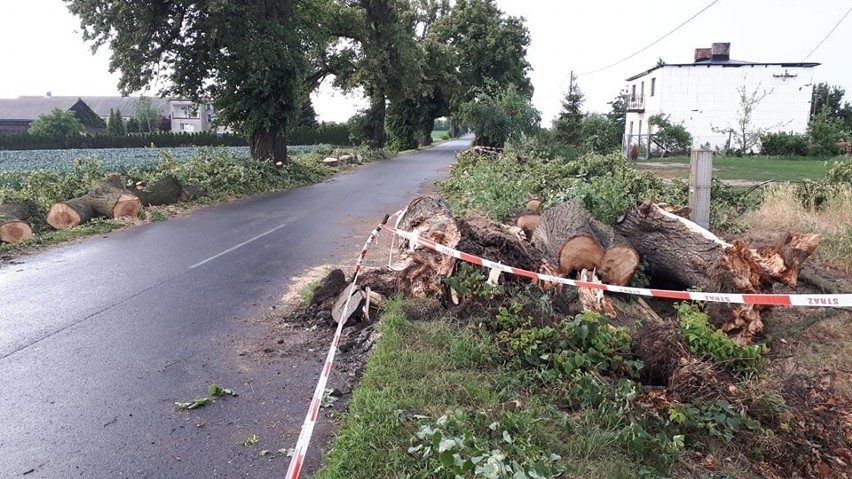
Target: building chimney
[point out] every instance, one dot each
(702, 54)
(721, 52)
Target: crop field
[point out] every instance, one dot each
(113, 159)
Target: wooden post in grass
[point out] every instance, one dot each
(700, 174)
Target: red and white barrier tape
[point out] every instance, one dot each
(825, 300)
(298, 458)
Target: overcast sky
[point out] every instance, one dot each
(41, 49)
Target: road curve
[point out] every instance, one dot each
(99, 338)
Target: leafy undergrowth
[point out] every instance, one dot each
(218, 172)
(506, 386)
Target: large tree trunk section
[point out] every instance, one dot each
(13, 221)
(165, 191)
(430, 218)
(112, 202)
(572, 239)
(269, 145)
(69, 214)
(681, 252)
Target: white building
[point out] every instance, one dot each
(705, 96)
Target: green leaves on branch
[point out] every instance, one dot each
(498, 115)
(705, 341)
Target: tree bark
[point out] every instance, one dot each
(69, 214)
(165, 191)
(679, 251)
(376, 117)
(269, 145)
(107, 200)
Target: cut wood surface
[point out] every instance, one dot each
(112, 202)
(578, 253)
(14, 230)
(619, 265)
(573, 239)
(14, 227)
(69, 214)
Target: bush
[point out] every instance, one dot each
(777, 144)
(675, 139)
(824, 133)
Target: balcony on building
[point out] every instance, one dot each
(636, 104)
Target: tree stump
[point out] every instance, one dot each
(430, 218)
(13, 221)
(69, 214)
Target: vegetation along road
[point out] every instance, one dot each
(99, 339)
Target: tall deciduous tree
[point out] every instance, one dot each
(830, 98)
(379, 55)
(488, 47)
(57, 124)
(147, 115)
(249, 56)
(497, 115)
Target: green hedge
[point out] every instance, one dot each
(327, 133)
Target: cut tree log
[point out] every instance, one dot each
(69, 214)
(580, 252)
(165, 191)
(679, 251)
(13, 221)
(570, 220)
(527, 222)
(107, 200)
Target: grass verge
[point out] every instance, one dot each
(435, 397)
(757, 168)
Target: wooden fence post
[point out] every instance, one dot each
(700, 174)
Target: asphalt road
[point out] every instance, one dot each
(99, 338)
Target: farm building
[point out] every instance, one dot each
(175, 115)
(17, 114)
(706, 97)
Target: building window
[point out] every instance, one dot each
(633, 93)
(631, 127)
(187, 127)
(653, 85)
(640, 127)
(642, 92)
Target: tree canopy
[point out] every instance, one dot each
(250, 57)
(57, 124)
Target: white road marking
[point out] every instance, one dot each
(233, 248)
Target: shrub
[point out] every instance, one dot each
(776, 144)
(673, 138)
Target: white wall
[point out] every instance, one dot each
(706, 97)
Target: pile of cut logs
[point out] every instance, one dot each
(567, 241)
(110, 198)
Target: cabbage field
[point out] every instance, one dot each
(113, 159)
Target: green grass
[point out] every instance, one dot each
(438, 135)
(422, 370)
(756, 168)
